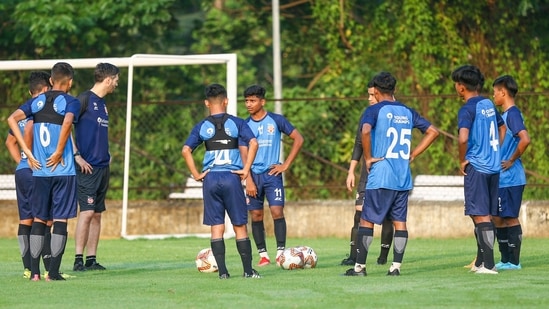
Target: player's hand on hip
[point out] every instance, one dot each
(33, 163)
(371, 162)
(201, 176)
(85, 167)
(462, 167)
(506, 164)
(277, 169)
(54, 160)
(243, 174)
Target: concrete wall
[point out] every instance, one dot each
(304, 219)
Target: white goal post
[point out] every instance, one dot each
(138, 60)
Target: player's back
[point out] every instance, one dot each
(483, 150)
(49, 110)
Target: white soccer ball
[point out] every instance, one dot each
(310, 259)
(291, 258)
(205, 261)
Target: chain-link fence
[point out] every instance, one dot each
(328, 126)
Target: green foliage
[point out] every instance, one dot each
(330, 49)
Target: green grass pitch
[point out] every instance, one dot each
(162, 274)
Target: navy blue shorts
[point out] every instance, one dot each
(92, 188)
(54, 197)
(223, 192)
(384, 203)
(23, 187)
(510, 199)
(481, 192)
(269, 187)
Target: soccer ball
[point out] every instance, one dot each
(291, 258)
(205, 261)
(310, 258)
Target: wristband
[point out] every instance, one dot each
(77, 153)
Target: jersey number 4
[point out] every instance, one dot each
(403, 139)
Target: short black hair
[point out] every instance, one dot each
(38, 80)
(215, 91)
(469, 76)
(62, 72)
(384, 82)
(104, 70)
(370, 84)
(255, 90)
(507, 82)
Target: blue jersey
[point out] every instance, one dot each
(391, 139)
(514, 176)
(92, 131)
(49, 110)
(221, 160)
(268, 132)
(23, 163)
(480, 116)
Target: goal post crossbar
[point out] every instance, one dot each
(138, 60)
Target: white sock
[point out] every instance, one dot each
(359, 267)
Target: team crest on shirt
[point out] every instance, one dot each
(95, 108)
(90, 200)
(270, 129)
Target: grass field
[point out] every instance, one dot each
(162, 274)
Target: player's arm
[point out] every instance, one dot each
(64, 134)
(253, 145)
(367, 146)
(350, 182)
(502, 130)
(428, 138)
(251, 188)
(524, 142)
(355, 157)
(13, 149)
(13, 120)
(296, 146)
(187, 154)
(463, 139)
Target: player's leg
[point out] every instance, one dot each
(23, 185)
(214, 216)
(36, 241)
(275, 196)
(255, 207)
(23, 235)
(481, 202)
(359, 201)
(502, 236)
(99, 185)
(511, 212)
(387, 234)
(64, 207)
(515, 243)
(235, 200)
(91, 244)
(81, 236)
(46, 250)
(351, 259)
(218, 249)
(41, 209)
(398, 214)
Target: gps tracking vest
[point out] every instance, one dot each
(220, 140)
